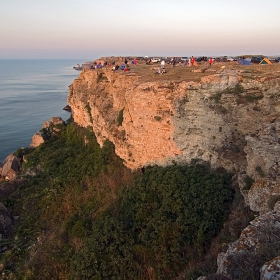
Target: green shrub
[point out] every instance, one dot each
(217, 97)
(157, 118)
(163, 217)
(97, 223)
(252, 98)
(120, 117)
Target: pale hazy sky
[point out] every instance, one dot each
(94, 28)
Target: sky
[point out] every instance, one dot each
(94, 28)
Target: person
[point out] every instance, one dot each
(210, 61)
(162, 64)
(192, 60)
(158, 71)
(125, 61)
(205, 60)
(135, 61)
(173, 62)
(189, 62)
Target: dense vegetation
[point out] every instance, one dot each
(84, 215)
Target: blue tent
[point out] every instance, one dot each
(242, 61)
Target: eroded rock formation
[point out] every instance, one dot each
(9, 168)
(48, 127)
(228, 119)
(258, 241)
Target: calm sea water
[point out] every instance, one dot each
(31, 92)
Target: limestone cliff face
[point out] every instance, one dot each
(229, 119)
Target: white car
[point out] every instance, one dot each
(230, 59)
(155, 60)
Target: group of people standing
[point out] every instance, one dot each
(192, 61)
(115, 66)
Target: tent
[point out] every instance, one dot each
(265, 61)
(242, 61)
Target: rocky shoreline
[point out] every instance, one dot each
(11, 166)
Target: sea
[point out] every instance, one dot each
(31, 92)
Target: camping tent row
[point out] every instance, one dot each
(247, 61)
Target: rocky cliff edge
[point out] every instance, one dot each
(230, 118)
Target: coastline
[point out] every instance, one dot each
(32, 91)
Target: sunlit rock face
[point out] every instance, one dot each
(227, 119)
(49, 127)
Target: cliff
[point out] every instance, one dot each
(229, 117)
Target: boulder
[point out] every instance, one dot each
(263, 195)
(37, 139)
(271, 269)
(261, 235)
(67, 108)
(48, 127)
(57, 120)
(46, 124)
(11, 166)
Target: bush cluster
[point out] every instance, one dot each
(95, 219)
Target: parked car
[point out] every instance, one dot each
(277, 59)
(229, 58)
(256, 59)
(221, 59)
(155, 59)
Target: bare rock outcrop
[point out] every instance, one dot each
(263, 195)
(271, 270)
(49, 127)
(257, 242)
(37, 139)
(10, 166)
